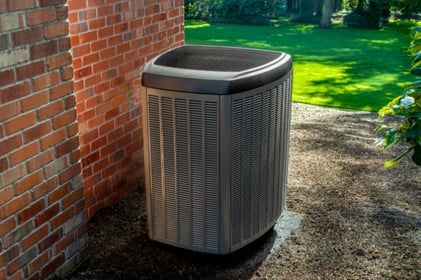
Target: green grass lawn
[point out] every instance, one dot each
(339, 67)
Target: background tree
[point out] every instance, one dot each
(328, 7)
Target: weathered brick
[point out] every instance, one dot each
(44, 188)
(6, 194)
(22, 4)
(40, 16)
(30, 70)
(8, 111)
(4, 165)
(11, 22)
(67, 146)
(54, 167)
(56, 30)
(22, 260)
(40, 160)
(12, 174)
(13, 57)
(62, 13)
(47, 214)
(59, 60)
(4, 42)
(25, 37)
(10, 144)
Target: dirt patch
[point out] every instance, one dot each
(360, 220)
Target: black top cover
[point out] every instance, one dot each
(215, 70)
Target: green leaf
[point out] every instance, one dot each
(397, 159)
(380, 127)
(413, 133)
(416, 157)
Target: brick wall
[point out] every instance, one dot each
(70, 120)
(111, 40)
(42, 215)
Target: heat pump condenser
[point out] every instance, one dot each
(216, 126)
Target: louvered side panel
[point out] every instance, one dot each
(259, 145)
(157, 202)
(184, 159)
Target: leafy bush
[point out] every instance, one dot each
(368, 14)
(409, 106)
(245, 11)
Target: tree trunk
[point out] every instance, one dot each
(326, 21)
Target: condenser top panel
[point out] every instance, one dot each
(215, 70)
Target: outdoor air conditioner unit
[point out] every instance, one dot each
(216, 130)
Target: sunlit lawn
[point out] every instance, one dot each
(339, 67)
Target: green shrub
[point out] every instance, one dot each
(409, 107)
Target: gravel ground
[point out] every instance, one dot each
(359, 220)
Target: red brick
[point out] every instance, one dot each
(28, 182)
(67, 146)
(59, 60)
(35, 237)
(8, 111)
(64, 44)
(40, 160)
(56, 262)
(17, 276)
(24, 153)
(7, 226)
(45, 3)
(64, 119)
(40, 16)
(3, 165)
(91, 58)
(44, 49)
(83, 72)
(50, 110)
(7, 77)
(31, 211)
(14, 92)
(44, 188)
(46, 80)
(62, 218)
(62, 13)
(47, 214)
(21, 122)
(76, 5)
(61, 90)
(15, 5)
(93, 80)
(96, 23)
(69, 102)
(69, 173)
(72, 198)
(37, 263)
(25, 37)
(6, 194)
(88, 37)
(36, 132)
(67, 73)
(34, 101)
(53, 139)
(30, 70)
(50, 240)
(105, 32)
(14, 205)
(56, 30)
(3, 273)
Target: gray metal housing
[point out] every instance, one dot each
(216, 165)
